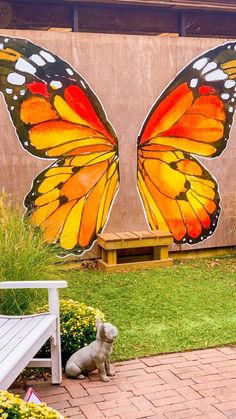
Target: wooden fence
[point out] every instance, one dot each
(127, 72)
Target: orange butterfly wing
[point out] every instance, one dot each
(192, 116)
(57, 115)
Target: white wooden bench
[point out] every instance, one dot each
(21, 337)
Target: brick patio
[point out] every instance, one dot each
(199, 384)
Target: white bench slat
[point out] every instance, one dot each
(10, 330)
(7, 326)
(32, 324)
(15, 361)
(3, 320)
(32, 284)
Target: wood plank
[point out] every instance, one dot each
(32, 284)
(34, 324)
(111, 257)
(134, 266)
(15, 328)
(161, 233)
(144, 234)
(7, 326)
(3, 320)
(127, 235)
(108, 237)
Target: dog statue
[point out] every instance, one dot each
(95, 355)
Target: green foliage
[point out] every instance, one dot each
(77, 326)
(23, 256)
(12, 407)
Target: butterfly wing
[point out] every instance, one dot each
(57, 116)
(192, 116)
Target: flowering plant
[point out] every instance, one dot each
(12, 406)
(77, 326)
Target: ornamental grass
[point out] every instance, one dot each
(24, 256)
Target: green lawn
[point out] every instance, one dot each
(190, 305)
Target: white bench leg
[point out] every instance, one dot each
(55, 340)
(55, 345)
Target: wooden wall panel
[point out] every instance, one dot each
(127, 73)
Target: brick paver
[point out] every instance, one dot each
(193, 385)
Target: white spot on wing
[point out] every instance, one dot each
(69, 71)
(23, 65)
(9, 91)
(225, 96)
(37, 60)
(231, 109)
(55, 84)
(193, 82)
(16, 79)
(83, 84)
(48, 57)
(210, 66)
(15, 97)
(229, 84)
(1, 46)
(216, 75)
(22, 92)
(199, 64)
(12, 108)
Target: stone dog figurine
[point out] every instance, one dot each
(95, 355)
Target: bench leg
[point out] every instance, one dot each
(111, 257)
(55, 340)
(160, 252)
(56, 359)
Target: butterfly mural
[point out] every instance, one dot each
(58, 117)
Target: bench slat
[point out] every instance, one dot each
(13, 328)
(32, 284)
(144, 234)
(127, 235)
(32, 324)
(3, 320)
(7, 326)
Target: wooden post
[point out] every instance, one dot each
(55, 341)
(156, 252)
(104, 255)
(164, 252)
(75, 23)
(111, 257)
(182, 24)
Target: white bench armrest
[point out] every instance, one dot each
(32, 284)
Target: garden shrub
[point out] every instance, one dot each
(23, 256)
(13, 407)
(77, 326)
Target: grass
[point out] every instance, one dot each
(190, 305)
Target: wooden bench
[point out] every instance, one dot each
(21, 337)
(134, 250)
